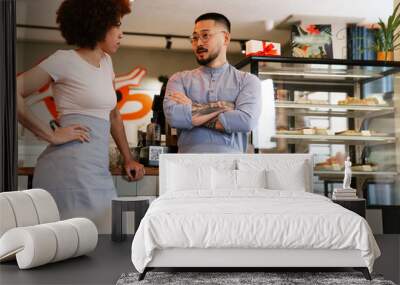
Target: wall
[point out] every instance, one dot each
(157, 62)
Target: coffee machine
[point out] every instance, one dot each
(152, 144)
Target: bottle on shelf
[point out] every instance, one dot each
(149, 155)
(153, 133)
(163, 140)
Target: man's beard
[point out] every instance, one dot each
(210, 58)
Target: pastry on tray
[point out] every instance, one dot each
(308, 131)
(371, 101)
(285, 131)
(323, 132)
(318, 131)
(305, 131)
(378, 134)
(348, 133)
(363, 133)
(328, 167)
(365, 167)
(333, 163)
(311, 101)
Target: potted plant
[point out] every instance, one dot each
(386, 37)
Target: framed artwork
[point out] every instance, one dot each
(314, 41)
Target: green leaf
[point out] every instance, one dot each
(386, 37)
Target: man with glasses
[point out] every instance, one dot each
(215, 106)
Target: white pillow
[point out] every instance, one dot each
(284, 174)
(183, 177)
(251, 178)
(297, 179)
(224, 179)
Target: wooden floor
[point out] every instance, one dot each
(110, 260)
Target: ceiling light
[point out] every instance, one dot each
(243, 47)
(269, 25)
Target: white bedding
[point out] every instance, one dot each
(252, 218)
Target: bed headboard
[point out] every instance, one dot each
(288, 164)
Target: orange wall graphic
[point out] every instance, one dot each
(124, 85)
(125, 91)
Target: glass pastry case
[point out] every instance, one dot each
(333, 109)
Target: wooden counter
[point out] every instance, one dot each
(28, 171)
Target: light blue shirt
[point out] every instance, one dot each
(204, 85)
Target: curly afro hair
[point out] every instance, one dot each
(84, 23)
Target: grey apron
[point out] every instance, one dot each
(77, 174)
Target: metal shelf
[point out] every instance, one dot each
(338, 139)
(356, 173)
(293, 105)
(319, 70)
(302, 60)
(334, 110)
(347, 114)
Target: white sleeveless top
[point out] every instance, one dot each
(79, 87)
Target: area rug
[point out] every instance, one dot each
(244, 278)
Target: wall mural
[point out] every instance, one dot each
(124, 85)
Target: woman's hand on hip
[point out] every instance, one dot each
(134, 170)
(71, 133)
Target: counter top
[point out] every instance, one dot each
(150, 171)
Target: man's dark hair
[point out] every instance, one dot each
(219, 18)
(86, 22)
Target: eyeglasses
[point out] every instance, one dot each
(204, 36)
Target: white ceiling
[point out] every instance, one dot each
(177, 17)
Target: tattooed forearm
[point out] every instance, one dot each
(202, 113)
(205, 109)
(212, 124)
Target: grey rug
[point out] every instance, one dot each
(243, 278)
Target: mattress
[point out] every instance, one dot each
(251, 219)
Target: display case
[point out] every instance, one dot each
(333, 109)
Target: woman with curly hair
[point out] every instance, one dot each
(74, 167)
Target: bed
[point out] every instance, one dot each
(247, 211)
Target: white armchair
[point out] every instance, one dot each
(31, 230)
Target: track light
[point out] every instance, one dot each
(168, 44)
(269, 25)
(243, 47)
